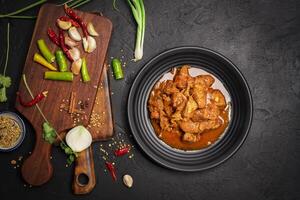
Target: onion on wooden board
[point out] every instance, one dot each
(79, 138)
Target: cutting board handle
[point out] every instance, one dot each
(37, 168)
(84, 169)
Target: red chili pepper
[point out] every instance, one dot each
(53, 37)
(111, 168)
(34, 101)
(74, 16)
(122, 151)
(63, 45)
(65, 18)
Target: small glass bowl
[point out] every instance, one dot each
(21, 124)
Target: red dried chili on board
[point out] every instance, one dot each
(63, 45)
(34, 101)
(71, 13)
(53, 37)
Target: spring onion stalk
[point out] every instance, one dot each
(117, 69)
(84, 71)
(59, 76)
(48, 55)
(138, 12)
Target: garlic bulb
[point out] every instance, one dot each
(79, 138)
(74, 34)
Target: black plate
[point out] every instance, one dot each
(241, 112)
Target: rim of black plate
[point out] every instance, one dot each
(227, 73)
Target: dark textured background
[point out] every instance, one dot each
(261, 37)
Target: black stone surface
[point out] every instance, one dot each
(260, 37)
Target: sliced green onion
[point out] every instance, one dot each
(84, 71)
(61, 60)
(117, 69)
(48, 55)
(59, 76)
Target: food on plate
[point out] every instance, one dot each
(84, 71)
(41, 60)
(79, 138)
(61, 61)
(59, 76)
(10, 132)
(186, 111)
(91, 30)
(128, 180)
(117, 69)
(47, 54)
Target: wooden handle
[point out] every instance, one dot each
(37, 168)
(84, 168)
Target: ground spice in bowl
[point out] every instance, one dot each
(11, 131)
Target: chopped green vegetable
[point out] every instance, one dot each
(59, 76)
(138, 12)
(49, 134)
(61, 60)
(71, 154)
(5, 81)
(48, 55)
(41, 60)
(117, 69)
(84, 71)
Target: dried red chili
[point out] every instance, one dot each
(74, 16)
(111, 168)
(65, 18)
(53, 37)
(63, 45)
(34, 101)
(122, 151)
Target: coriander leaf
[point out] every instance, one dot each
(5, 81)
(49, 134)
(70, 159)
(3, 97)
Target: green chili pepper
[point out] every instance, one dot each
(61, 60)
(48, 55)
(117, 68)
(41, 60)
(59, 76)
(84, 71)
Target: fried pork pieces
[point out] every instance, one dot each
(186, 105)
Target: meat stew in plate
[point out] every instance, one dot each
(189, 108)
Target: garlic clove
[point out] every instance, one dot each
(92, 44)
(75, 53)
(91, 30)
(76, 66)
(85, 44)
(78, 138)
(74, 34)
(64, 25)
(69, 42)
(127, 180)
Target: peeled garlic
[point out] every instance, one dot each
(91, 30)
(69, 42)
(76, 66)
(74, 34)
(64, 25)
(89, 44)
(127, 180)
(79, 138)
(75, 53)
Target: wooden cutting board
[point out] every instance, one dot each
(37, 168)
(101, 128)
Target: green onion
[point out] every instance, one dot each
(61, 60)
(138, 12)
(48, 55)
(84, 71)
(117, 69)
(59, 76)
